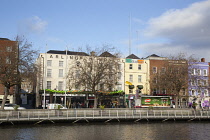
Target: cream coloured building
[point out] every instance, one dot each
(136, 78)
(54, 67)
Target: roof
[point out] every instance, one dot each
(4, 39)
(68, 52)
(106, 54)
(153, 55)
(132, 56)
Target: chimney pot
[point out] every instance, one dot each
(202, 59)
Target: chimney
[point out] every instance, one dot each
(202, 59)
(92, 53)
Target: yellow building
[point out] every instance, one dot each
(136, 79)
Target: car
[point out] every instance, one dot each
(12, 107)
(55, 106)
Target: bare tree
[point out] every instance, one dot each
(173, 77)
(19, 64)
(95, 72)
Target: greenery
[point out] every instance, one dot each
(16, 107)
(102, 106)
(82, 92)
(59, 107)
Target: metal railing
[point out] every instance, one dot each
(87, 114)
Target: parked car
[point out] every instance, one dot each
(12, 107)
(55, 106)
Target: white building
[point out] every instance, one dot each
(54, 67)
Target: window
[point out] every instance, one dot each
(163, 70)
(119, 75)
(60, 63)
(9, 49)
(155, 80)
(139, 78)
(48, 84)
(131, 66)
(139, 66)
(206, 92)
(205, 73)
(199, 82)
(198, 71)
(131, 78)
(49, 72)
(193, 71)
(155, 91)
(8, 60)
(199, 92)
(193, 82)
(60, 73)
(163, 91)
(154, 69)
(205, 83)
(49, 62)
(60, 85)
(193, 92)
(120, 67)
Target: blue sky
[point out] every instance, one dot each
(162, 27)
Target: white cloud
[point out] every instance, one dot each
(186, 29)
(33, 25)
(137, 20)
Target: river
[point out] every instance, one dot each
(110, 131)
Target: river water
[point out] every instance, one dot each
(111, 131)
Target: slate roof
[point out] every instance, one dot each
(68, 52)
(4, 39)
(132, 56)
(106, 54)
(153, 55)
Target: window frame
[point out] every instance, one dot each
(60, 63)
(131, 77)
(49, 63)
(49, 72)
(130, 66)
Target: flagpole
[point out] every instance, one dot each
(65, 77)
(44, 81)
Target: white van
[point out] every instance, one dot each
(55, 106)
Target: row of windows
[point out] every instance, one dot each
(198, 92)
(49, 73)
(199, 82)
(154, 70)
(60, 85)
(139, 78)
(199, 72)
(131, 66)
(49, 63)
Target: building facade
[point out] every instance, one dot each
(8, 59)
(199, 84)
(56, 66)
(136, 79)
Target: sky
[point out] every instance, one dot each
(162, 27)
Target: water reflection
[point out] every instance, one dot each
(113, 131)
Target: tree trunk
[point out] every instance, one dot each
(37, 97)
(51, 97)
(176, 102)
(95, 101)
(5, 98)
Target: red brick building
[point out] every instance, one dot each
(8, 58)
